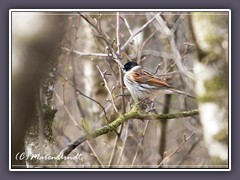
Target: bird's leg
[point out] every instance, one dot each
(152, 106)
(144, 103)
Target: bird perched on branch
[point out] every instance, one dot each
(142, 84)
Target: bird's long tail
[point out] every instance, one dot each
(183, 93)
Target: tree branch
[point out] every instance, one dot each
(106, 85)
(134, 113)
(175, 151)
(127, 25)
(84, 54)
(118, 36)
(84, 95)
(105, 37)
(163, 28)
(137, 32)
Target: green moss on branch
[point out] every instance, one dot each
(134, 113)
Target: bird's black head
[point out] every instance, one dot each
(129, 65)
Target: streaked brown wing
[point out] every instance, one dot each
(142, 76)
(157, 82)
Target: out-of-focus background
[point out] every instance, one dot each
(58, 93)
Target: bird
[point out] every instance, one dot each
(144, 85)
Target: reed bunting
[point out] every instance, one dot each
(143, 85)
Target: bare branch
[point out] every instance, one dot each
(94, 153)
(85, 54)
(158, 66)
(140, 143)
(74, 39)
(123, 108)
(127, 25)
(117, 35)
(113, 151)
(163, 28)
(70, 57)
(142, 46)
(163, 125)
(137, 32)
(95, 26)
(99, 23)
(134, 113)
(109, 91)
(153, 52)
(76, 124)
(177, 23)
(68, 112)
(86, 96)
(105, 37)
(124, 144)
(182, 92)
(122, 90)
(174, 152)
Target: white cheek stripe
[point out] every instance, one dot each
(134, 68)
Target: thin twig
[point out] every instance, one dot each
(163, 125)
(124, 94)
(168, 73)
(68, 112)
(122, 98)
(87, 18)
(182, 93)
(76, 124)
(63, 93)
(118, 53)
(99, 23)
(142, 46)
(120, 72)
(158, 66)
(127, 25)
(170, 68)
(163, 28)
(124, 144)
(74, 40)
(109, 91)
(86, 96)
(177, 23)
(95, 154)
(85, 54)
(140, 143)
(106, 39)
(117, 35)
(121, 126)
(174, 152)
(113, 151)
(153, 52)
(193, 146)
(137, 32)
(70, 57)
(107, 106)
